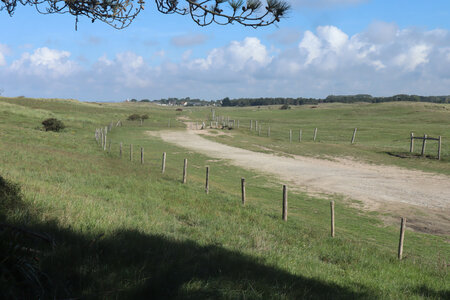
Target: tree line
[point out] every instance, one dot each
(332, 99)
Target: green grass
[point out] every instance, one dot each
(124, 230)
(383, 135)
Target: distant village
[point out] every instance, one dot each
(180, 102)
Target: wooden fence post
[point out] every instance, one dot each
(168, 124)
(332, 218)
(207, 181)
(251, 125)
(142, 155)
(185, 170)
(120, 150)
(101, 134)
(354, 136)
(163, 167)
(243, 190)
(285, 208)
(259, 130)
(424, 144)
(131, 152)
(290, 135)
(315, 134)
(256, 125)
(268, 131)
(238, 124)
(411, 145)
(104, 145)
(439, 147)
(402, 237)
(300, 135)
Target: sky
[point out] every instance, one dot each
(322, 47)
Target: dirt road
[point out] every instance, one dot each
(376, 186)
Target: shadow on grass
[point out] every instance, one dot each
(129, 264)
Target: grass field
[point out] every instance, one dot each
(124, 230)
(383, 131)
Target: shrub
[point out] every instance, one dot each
(134, 117)
(53, 124)
(285, 106)
(144, 117)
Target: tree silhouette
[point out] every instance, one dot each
(120, 13)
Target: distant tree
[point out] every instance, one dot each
(144, 100)
(144, 117)
(285, 106)
(134, 117)
(226, 102)
(133, 100)
(120, 13)
(53, 124)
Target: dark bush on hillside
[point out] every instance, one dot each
(10, 197)
(144, 117)
(53, 124)
(134, 117)
(285, 106)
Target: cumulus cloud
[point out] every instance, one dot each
(188, 40)
(4, 50)
(45, 62)
(381, 60)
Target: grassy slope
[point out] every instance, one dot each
(163, 238)
(382, 137)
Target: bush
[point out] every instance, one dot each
(285, 106)
(53, 124)
(134, 117)
(144, 117)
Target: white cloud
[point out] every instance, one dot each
(324, 61)
(4, 50)
(414, 57)
(45, 62)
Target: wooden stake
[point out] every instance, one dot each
(251, 125)
(424, 144)
(104, 145)
(354, 135)
(238, 124)
(163, 167)
(332, 218)
(243, 190)
(290, 135)
(402, 237)
(285, 208)
(131, 152)
(142, 155)
(268, 131)
(300, 135)
(207, 181)
(411, 145)
(120, 151)
(168, 124)
(185, 170)
(439, 147)
(315, 134)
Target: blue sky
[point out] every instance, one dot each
(323, 47)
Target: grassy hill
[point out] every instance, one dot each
(121, 229)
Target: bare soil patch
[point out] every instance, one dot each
(423, 198)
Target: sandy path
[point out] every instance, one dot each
(375, 185)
